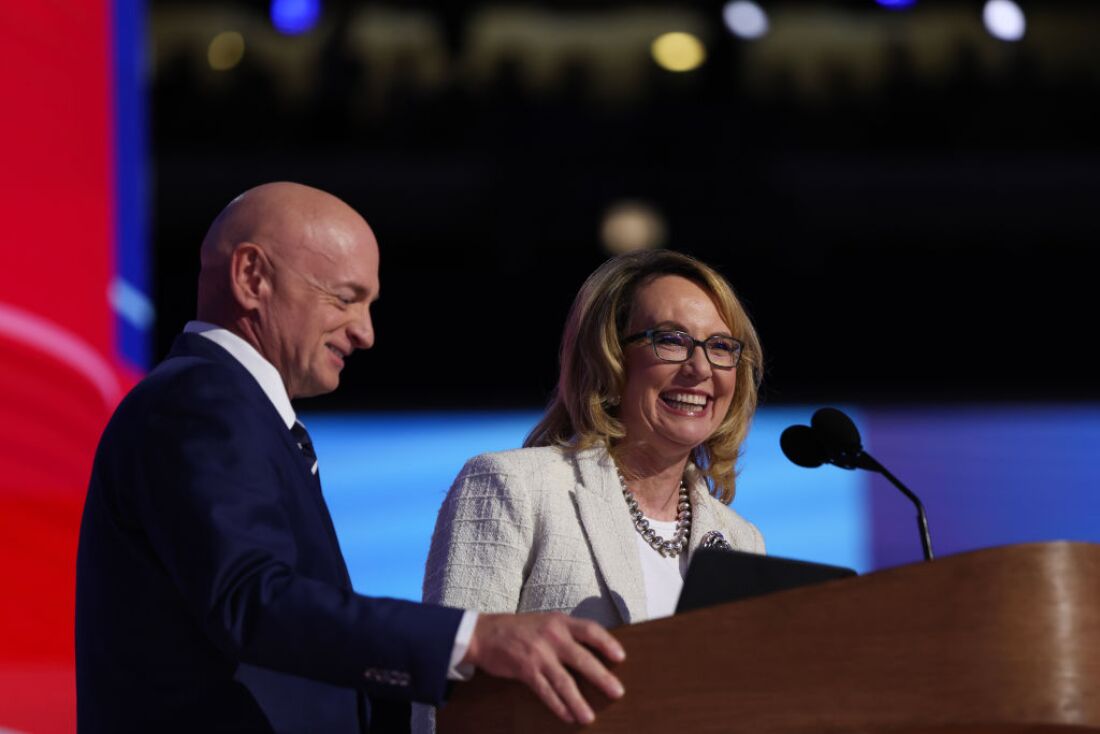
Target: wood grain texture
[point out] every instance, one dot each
(999, 640)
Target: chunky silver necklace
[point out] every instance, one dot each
(678, 542)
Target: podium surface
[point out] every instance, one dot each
(999, 640)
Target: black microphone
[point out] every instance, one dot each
(833, 438)
(800, 445)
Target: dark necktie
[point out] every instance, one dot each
(302, 437)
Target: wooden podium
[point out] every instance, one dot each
(998, 640)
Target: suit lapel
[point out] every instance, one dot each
(610, 533)
(311, 483)
(195, 345)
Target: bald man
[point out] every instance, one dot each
(211, 591)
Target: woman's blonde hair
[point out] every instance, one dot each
(583, 410)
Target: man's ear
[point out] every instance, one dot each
(249, 275)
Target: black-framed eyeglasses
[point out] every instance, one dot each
(723, 352)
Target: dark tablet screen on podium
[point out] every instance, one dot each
(719, 576)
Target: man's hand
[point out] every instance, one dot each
(536, 649)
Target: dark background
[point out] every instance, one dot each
(925, 235)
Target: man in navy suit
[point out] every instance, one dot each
(211, 591)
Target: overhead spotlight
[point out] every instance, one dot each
(745, 19)
(293, 17)
(632, 225)
(225, 51)
(678, 51)
(1004, 20)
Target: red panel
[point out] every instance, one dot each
(58, 373)
(57, 198)
(38, 698)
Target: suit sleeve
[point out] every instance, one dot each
(483, 540)
(211, 494)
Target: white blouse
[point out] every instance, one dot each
(663, 575)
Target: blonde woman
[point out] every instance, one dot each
(630, 470)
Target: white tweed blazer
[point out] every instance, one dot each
(544, 529)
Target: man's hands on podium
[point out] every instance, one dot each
(536, 649)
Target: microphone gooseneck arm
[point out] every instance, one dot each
(832, 437)
(866, 461)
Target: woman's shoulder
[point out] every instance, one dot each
(523, 461)
(535, 475)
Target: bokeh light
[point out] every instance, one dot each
(745, 19)
(225, 51)
(632, 225)
(678, 51)
(1004, 20)
(295, 16)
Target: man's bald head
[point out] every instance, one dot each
(292, 270)
(289, 220)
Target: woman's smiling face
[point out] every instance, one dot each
(673, 407)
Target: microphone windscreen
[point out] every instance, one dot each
(836, 431)
(801, 446)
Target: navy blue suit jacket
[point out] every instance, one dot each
(211, 591)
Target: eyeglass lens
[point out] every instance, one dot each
(676, 346)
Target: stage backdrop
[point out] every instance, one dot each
(73, 315)
(74, 321)
(988, 475)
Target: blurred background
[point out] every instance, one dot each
(902, 192)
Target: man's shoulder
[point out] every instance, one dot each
(187, 403)
(196, 357)
(190, 383)
(189, 377)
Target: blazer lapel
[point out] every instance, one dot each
(610, 532)
(705, 516)
(703, 519)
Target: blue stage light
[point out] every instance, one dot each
(896, 4)
(295, 16)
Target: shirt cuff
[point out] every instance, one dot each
(462, 671)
